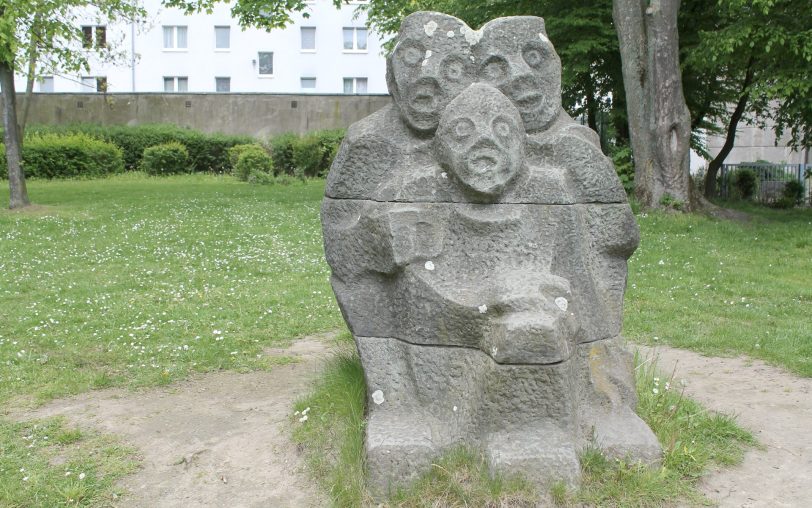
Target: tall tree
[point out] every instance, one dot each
(760, 53)
(29, 28)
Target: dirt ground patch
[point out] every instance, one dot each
(223, 439)
(219, 439)
(773, 404)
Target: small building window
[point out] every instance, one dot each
(176, 84)
(308, 84)
(94, 37)
(175, 37)
(94, 84)
(222, 84)
(308, 38)
(355, 85)
(46, 84)
(355, 39)
(266, 63)
(222, 37)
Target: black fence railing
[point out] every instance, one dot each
(771, 179)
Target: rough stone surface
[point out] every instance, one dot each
(478, 240)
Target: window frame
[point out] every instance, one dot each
(301, 39)
(176, 84)
(175, 47)
(41, 80)
(221, 50)
(354, 48)
(309, 89)
(259, 65)
(354, 85)
(100, 84)
(216, 78)
(91, 38)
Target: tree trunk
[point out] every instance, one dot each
(659, 120)
(33, 56)
(730, 138)
(16, 178)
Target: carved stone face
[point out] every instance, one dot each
(481, 140)
(430, 65)
(515, 56)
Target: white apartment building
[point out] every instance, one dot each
(329, 52)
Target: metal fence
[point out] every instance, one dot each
(770, 180)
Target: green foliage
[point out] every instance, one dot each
(235, 151)
(308, 156)
(622, 159)
(794, 192)
(66, 156)
(281, 147)
(667, 201)
(207, 152)
(165, 159)
(254, 161)
(745, 181)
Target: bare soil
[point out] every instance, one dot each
(220, 439)
(774, 405)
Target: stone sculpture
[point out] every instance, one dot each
(478, 240)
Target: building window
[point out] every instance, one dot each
(308, 83)
(176, 84)
(222, 37)
(355, 39)
(46, 84)
(222, 84)
(266, 63)
(94, 36)
(355, 85)
(94, 84)
(308, 38)
(175, 37)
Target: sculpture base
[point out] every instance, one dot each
(531, 420)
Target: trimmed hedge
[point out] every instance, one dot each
(52, 155)
(207, 152)
(165, 159)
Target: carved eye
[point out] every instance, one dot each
(462, 129)
(502, 128)
(533, 54)
(453, 69)
(410, 52)
(495, 69)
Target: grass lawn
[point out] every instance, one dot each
(725, 288)
(136, 281)
(139, 281)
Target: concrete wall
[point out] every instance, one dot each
(753, 144)
(256, 115)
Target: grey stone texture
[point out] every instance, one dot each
(478, 241)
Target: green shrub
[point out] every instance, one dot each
(308, 154)
(235, 151)
(744, 180)
(622, 159)
(314, 152)
(207, 152)
(52, 155)
(260, 177)
(252, 161)
(793, 192)
(281, 148)
(165, 159)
